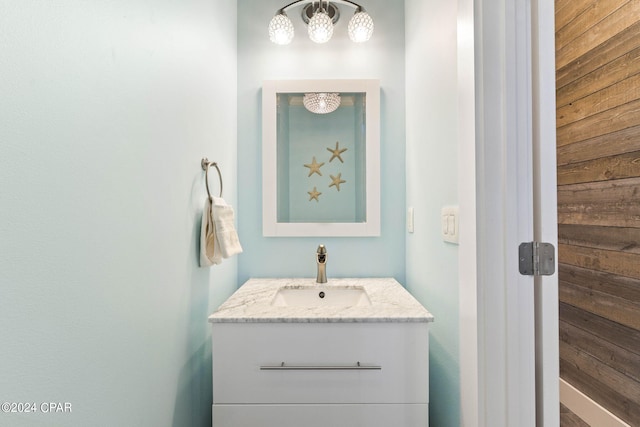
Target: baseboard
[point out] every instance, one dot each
(586, 408)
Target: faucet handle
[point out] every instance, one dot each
(321, 250)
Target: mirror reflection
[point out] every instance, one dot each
(321, 157)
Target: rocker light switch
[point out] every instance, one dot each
(450, 221)
(410, 220)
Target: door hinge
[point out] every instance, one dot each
(537, 259)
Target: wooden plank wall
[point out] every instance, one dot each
(598, 147)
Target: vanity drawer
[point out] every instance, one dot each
(320, 363)
(319, 415)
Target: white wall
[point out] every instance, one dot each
(107, 108)
(467, 253)
(432, 182)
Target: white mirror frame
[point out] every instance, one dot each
(270, 225)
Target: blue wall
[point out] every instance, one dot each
(421, 172)
(380, 58)
(107, 108)
(432, 182)
(309, 137)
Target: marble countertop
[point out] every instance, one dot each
(390, 302)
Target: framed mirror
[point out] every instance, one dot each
(321, 158)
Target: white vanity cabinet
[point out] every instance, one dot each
(330, 370)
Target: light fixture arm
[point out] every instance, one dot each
(347, 2)
(353, 4)
(283, 9)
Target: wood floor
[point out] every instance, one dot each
(569, 419)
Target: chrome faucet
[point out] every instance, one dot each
(321, 260)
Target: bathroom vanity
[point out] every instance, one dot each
(291, 353)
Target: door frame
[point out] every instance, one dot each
(545, 210)
(512, 376)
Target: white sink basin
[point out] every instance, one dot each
(321, 296)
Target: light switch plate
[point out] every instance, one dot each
(449, 223)
(410, 220)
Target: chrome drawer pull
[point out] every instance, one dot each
(356, 367)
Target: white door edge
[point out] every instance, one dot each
(545, 210)
(515, 133)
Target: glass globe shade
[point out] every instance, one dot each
(321, 102)
(281, 29)
(320, 27)
(360, 27)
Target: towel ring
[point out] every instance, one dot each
(205, 163)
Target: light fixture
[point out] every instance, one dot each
(320, 26)
(320, 17)
(360, 27)
(321, 102)
(281, 28)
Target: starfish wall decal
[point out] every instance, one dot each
(336, 181)
(314, 167)
(336, 152)
(314, 194)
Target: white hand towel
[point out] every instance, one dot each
(226, 236)
(218, 237)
